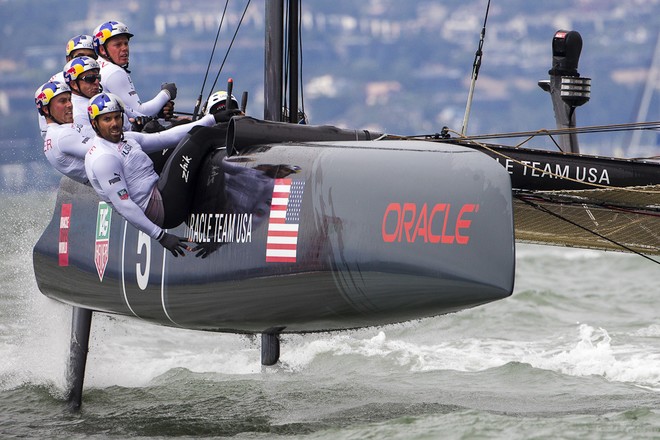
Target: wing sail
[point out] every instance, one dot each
(621, 219)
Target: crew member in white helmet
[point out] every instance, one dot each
(111, 43)
(122, 174)
(64, 146)
(217, 101)
(82, 75)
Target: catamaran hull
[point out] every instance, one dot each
(299, 237)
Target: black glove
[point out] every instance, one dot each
(138, 123)
(205, 249)
(171, 89)
(153, 126)
(173, 244)
(225, 115)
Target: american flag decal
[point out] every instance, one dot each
(284, 219)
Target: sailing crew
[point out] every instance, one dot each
(111, 43)
(122, 174)
(80, 45)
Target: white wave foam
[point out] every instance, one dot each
(651, 331)
(128, 352)
(524, 251)
(592, 354)
(466, 355)
(38, 348)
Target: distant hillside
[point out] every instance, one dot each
(400, 67)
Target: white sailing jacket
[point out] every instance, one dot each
(122, 174)
(81, 116)
(117, 81)
(65, 148)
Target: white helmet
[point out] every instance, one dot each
(107, 30)
(217, 102)
(48, 91)
(79, 42)
(77, 66)
(103, 103)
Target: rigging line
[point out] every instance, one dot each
(614, 242)
(198, 104)
(285, 75)
(475, 71)
(558, 176)
(231, 43)
(300, 67)
(561, 199)
(587, 129)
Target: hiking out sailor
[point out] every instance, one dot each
(82, 75)
(64, 145)
(111, 43)
(80, 45)
(122, 174)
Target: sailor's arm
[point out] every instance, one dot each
(72, 142)
(152, 142)
(110, 175)
(118, 83)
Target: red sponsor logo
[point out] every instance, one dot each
(101, 255)
(63, 244)
(440, 223)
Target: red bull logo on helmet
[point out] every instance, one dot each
(79, 42)
(77, 66)
(47, 92)
(107, 30)
(104, 33)
(103, 103)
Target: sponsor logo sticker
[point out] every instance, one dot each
(65, 222)
(101, 247)
(185, 163)
(220, 228)
(115, 179)
(439, 223)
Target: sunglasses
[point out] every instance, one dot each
(91, 79)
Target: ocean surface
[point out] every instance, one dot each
(574, 353)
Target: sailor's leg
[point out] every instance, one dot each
(80, 327)
(179, 177)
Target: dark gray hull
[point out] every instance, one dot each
(388, 231)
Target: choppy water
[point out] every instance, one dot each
(573, 353)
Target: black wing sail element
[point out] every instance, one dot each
(578, 200)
